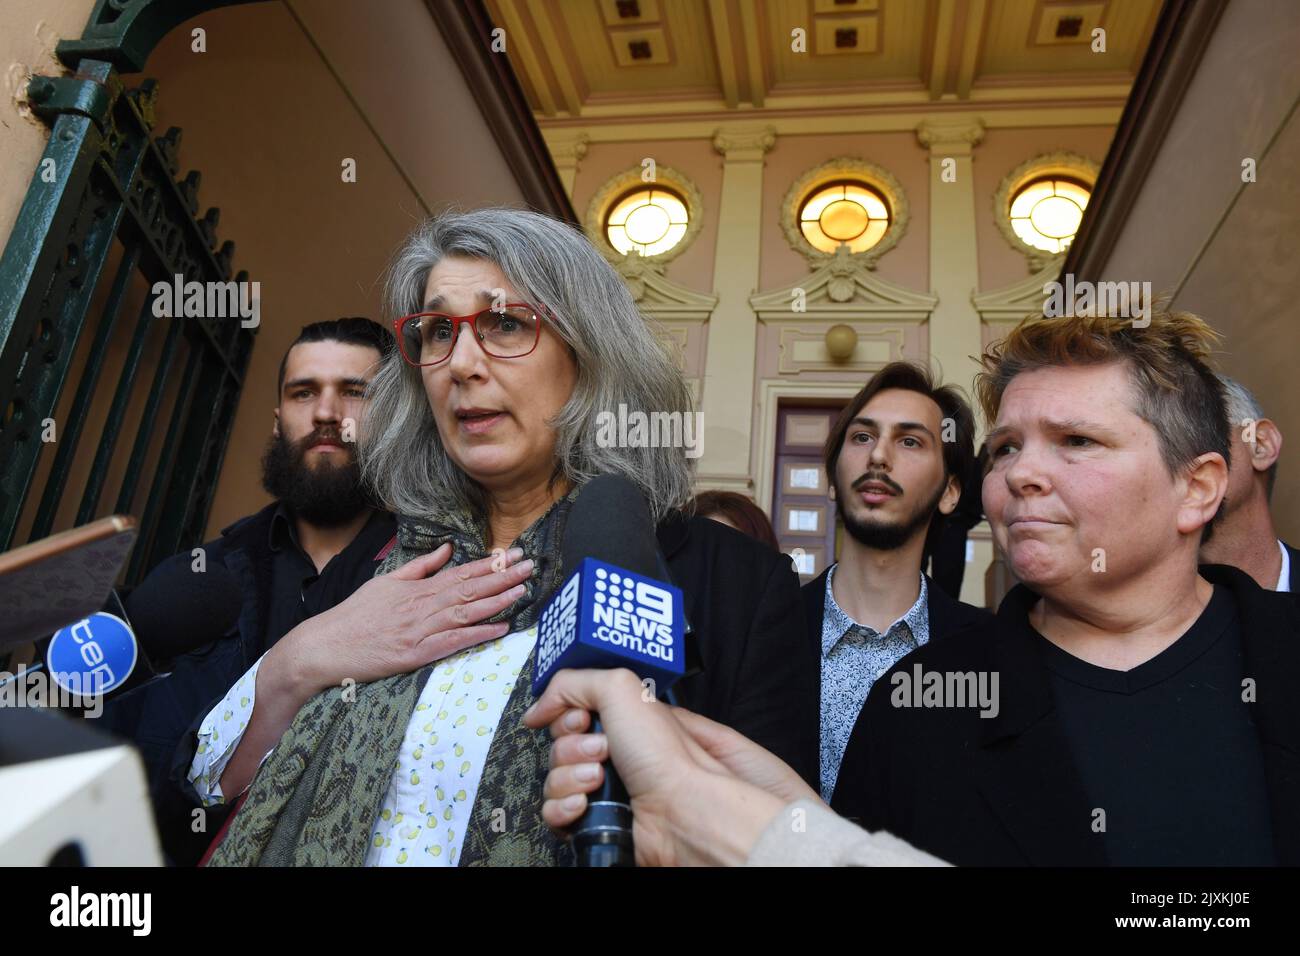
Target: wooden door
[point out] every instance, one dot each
(802, 511)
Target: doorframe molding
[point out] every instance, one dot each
(770, 393)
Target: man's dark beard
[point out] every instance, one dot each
(328, 495)
(880, 535)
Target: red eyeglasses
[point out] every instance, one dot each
(510, 331)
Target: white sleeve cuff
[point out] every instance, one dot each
(219, 735)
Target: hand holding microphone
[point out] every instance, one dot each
(701, 793)
(617, 612)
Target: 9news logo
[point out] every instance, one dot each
(628, 607)
(558, 627)
(606, 616)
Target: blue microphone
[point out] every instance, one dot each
(608, 616)
(611, 611)
(130, 643)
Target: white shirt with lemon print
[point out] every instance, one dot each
(424, 815)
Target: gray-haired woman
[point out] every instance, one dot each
(515, 336)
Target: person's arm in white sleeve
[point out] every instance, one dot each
(219, 735)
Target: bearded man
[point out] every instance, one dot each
(895, 461)
(310, 548)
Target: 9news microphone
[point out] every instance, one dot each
(612, 611)
(173, 611)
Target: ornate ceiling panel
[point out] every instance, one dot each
(616, 59)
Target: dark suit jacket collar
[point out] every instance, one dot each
(814, 606)
(1295, 569)
(946, 614)
(673, 532)
(1024, 765)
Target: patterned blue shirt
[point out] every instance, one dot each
(854, 656)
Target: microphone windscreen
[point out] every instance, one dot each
(176, 609)
(612, 610)
(610, 521)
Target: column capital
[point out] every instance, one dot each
(741, 143)
(567, 148)
(953, 138)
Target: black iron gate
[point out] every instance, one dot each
(105, 213)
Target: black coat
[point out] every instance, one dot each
(742, 599)
(1004, 791)
(947, 616)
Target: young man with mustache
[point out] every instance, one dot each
(1147, 712)
(316, 543)
(895, 461)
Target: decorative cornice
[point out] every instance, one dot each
(843, 288)
(660, 297)
(1071, 165)
(1020, 300)
(953, 139)
(744, 145)
(815, 118)
(845, 167)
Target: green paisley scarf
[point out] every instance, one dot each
(314, 800)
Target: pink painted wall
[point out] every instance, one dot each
(31, 30)
(908, 263)
(269, 124)
(694, 158)
(1001, 151)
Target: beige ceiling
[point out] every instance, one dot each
(613, 59)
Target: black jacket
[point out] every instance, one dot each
(947, 614)
(161, 717)
(1004, 791)
(742, 599)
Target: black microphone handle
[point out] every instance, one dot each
(603, 835)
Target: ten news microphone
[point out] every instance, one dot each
(612, 611)
(174, 611)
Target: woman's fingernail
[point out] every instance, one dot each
(593, 746)
(517, 590)
(573, 801)
(514, 554)
(526, 566)
(573, 720)
(586, 772)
